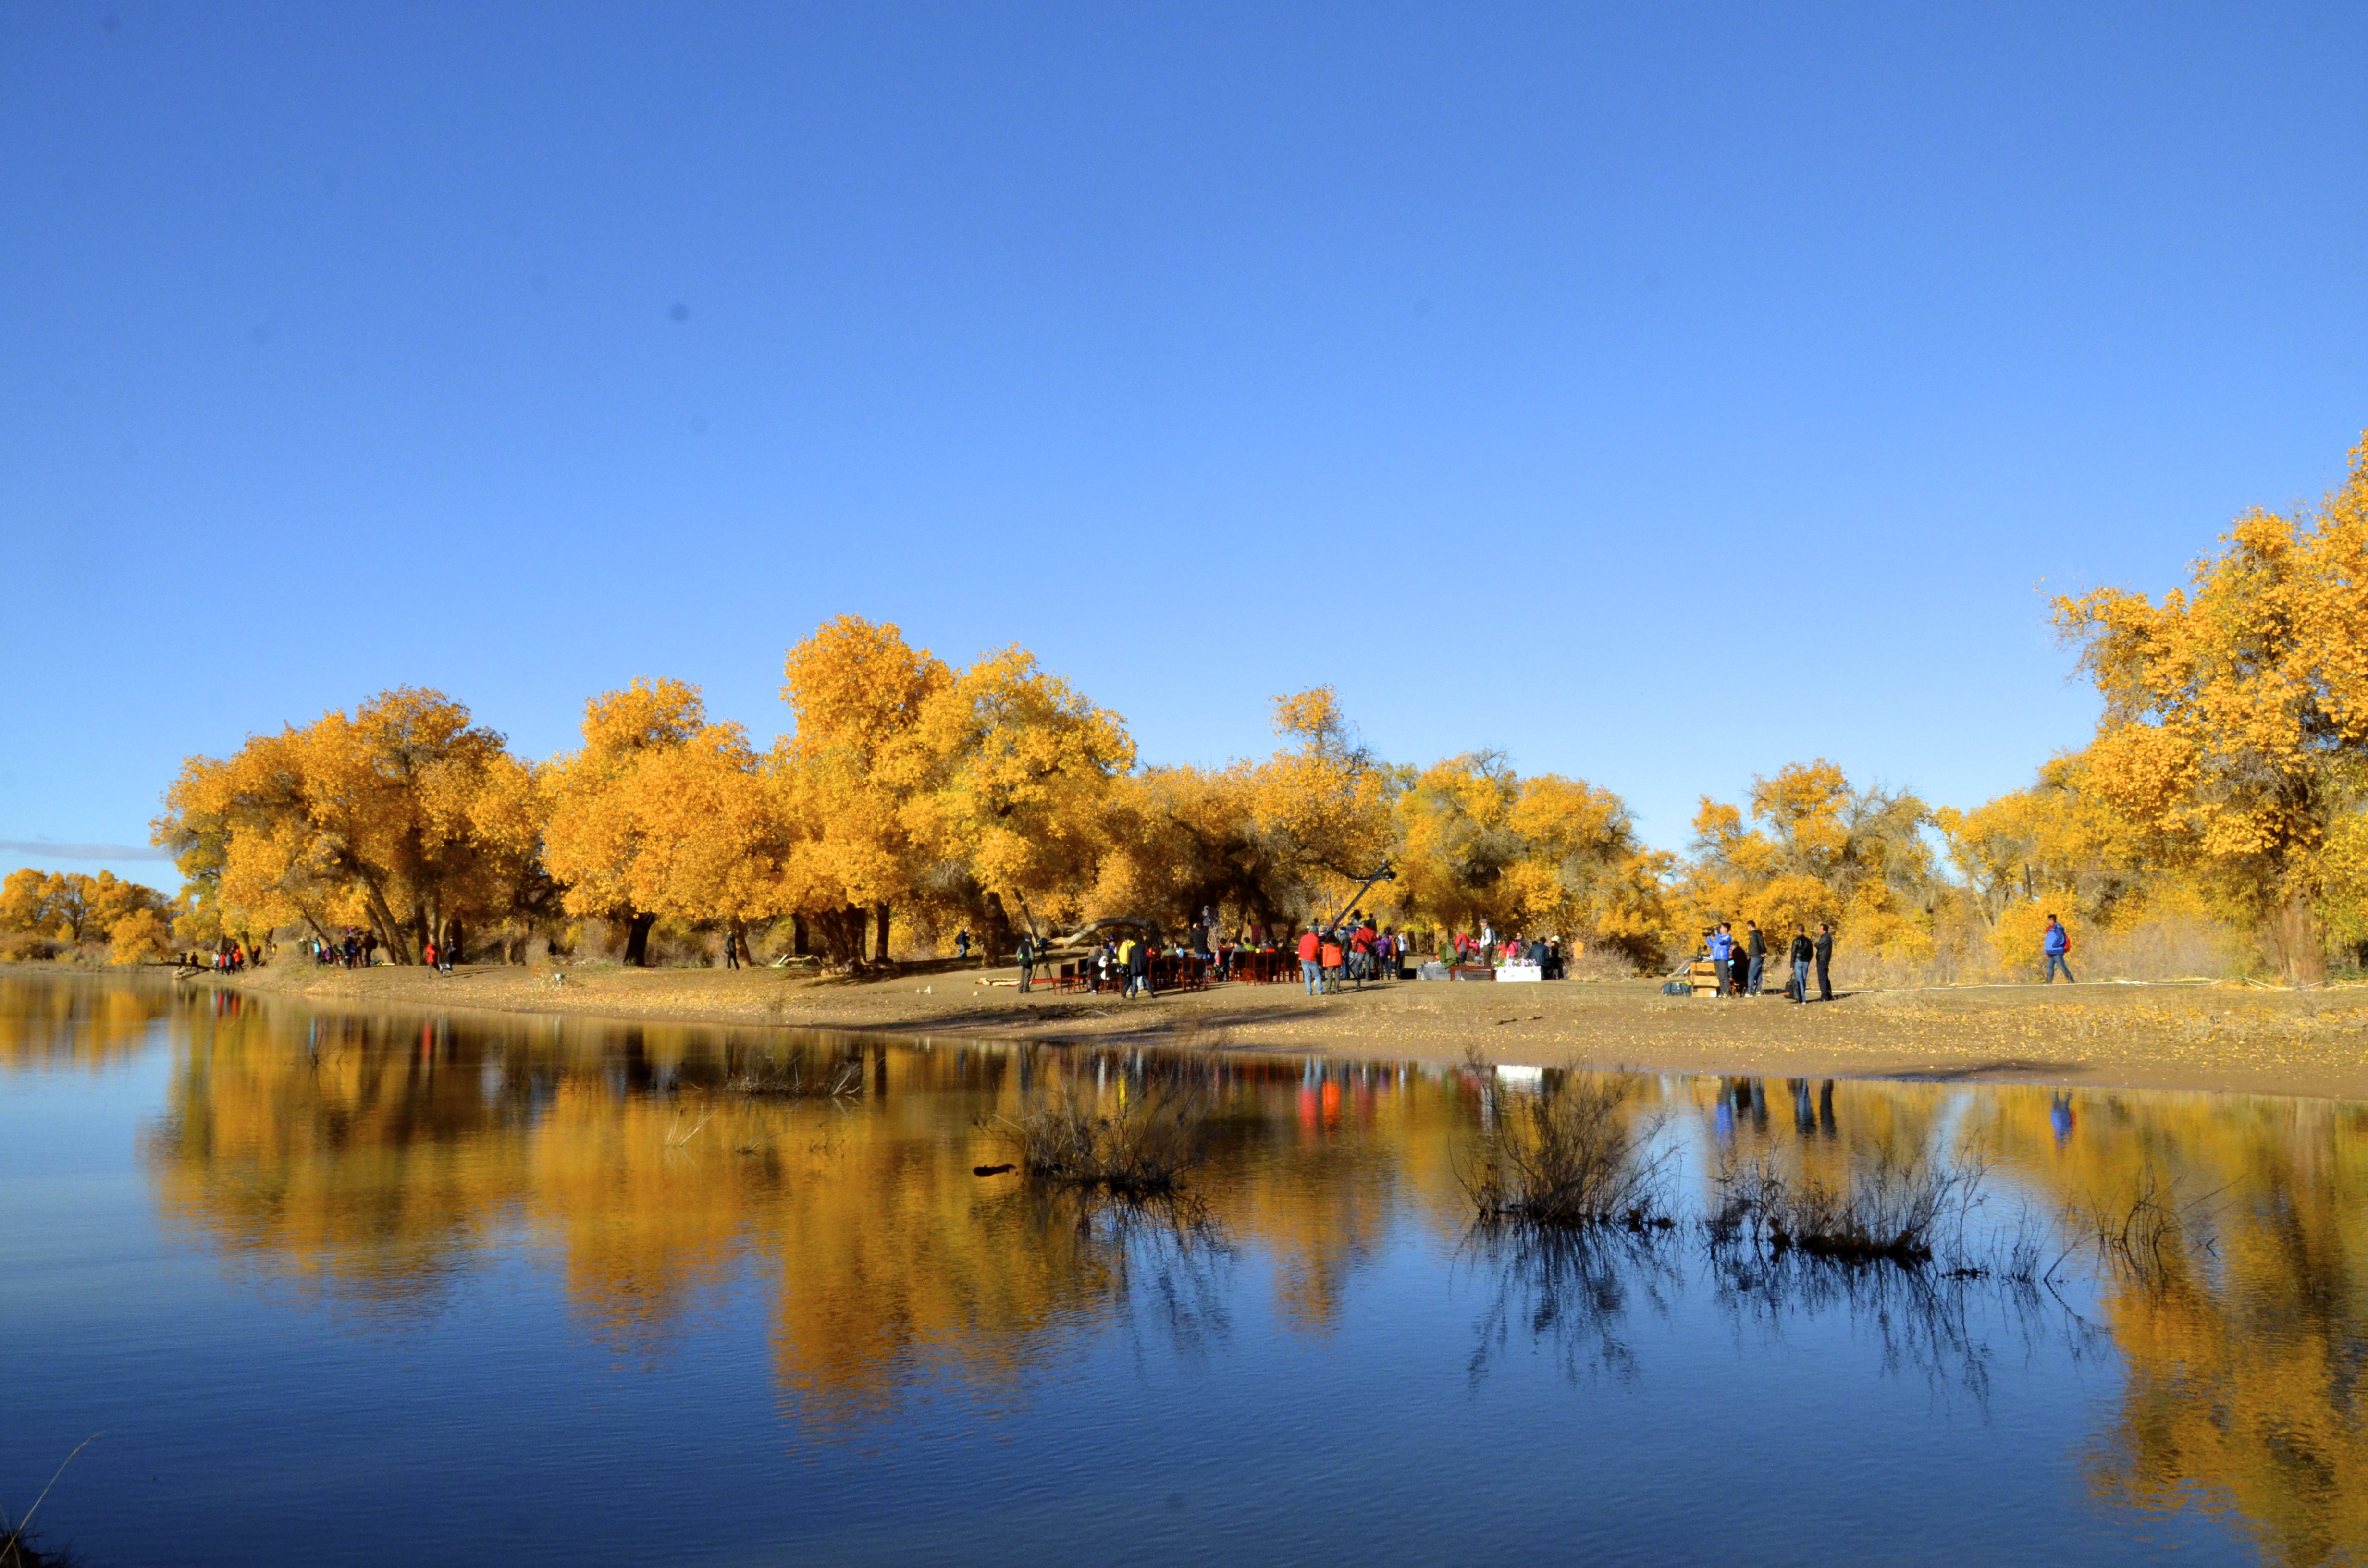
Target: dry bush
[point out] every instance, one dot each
(1893, 1210)
(1572, 1155)
(1143, 1148)
(790, 1081)
(2145, 1239)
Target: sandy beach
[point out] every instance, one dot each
(2187, 1036)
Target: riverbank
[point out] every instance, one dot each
(2153, 1037)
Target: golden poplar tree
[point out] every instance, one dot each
(854, 778)
(371, 819)
(2235, 716)
(1823, 851)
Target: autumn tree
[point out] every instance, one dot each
(379, 819)
(602, 798)
(1822, 851)
(1479, 843)
(1180, 839)
(1322, 800)
(2055, 848)
(1019, 768)
(856, 780)
(70, 907)
(2235, 718)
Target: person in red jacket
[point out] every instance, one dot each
(1311, 965)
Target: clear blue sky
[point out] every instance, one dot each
(1659, 393)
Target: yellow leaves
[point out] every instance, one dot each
(1322, 798)
(141, 936)
(659, 812)
(68, 906)
(1021, 766)
(1543, 854)
(402, 816)
(2236, 713)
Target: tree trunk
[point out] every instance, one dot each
(637, 940)
(451, 943)
(998, 932)
(2295, 942)
(879, 910)
(798, 947)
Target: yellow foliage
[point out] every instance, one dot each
(661, 813)
(399, 817)
(1545, 854)
(141, 936)
(2236, 711)
(69, 907)
(1825, 852)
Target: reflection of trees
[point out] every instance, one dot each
(49, 1019)
(2247, 1347)
(372, 1161)
(1943, 1326)
(1570, 1290)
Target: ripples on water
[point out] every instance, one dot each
(367, 1287)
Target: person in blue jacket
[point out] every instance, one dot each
(2058, 943)
(1722, 953)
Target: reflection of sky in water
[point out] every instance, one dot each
(550, 1290)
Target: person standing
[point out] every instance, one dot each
(1825, 951)
(1138, 977)
(731, 949)
(1332, 956)
(2058, 943)
(961, 943)
(1310, 961)
(1803, 952)
(1722, 954)
(1027, 962)
(1754, 947)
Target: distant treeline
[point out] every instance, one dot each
(2218, 814)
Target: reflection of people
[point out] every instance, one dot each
(1804, 1118)
(2059, 1117)
(2058, 943)
(1826, 1107)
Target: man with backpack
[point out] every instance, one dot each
(1026, 961)
(2058, 943)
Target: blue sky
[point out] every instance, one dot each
(1661, 393)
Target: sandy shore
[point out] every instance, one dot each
(2188, 1037)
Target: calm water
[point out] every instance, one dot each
(363, 1288)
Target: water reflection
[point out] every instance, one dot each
(370, 1163)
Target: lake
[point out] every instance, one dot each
(358, 1288)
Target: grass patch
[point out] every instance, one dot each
(1144, 1147)
(776, 1081)
(1572, 1155)
(1893, 1210)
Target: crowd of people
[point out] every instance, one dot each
(1740, 963)
(352, 949)
(1349, 953)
